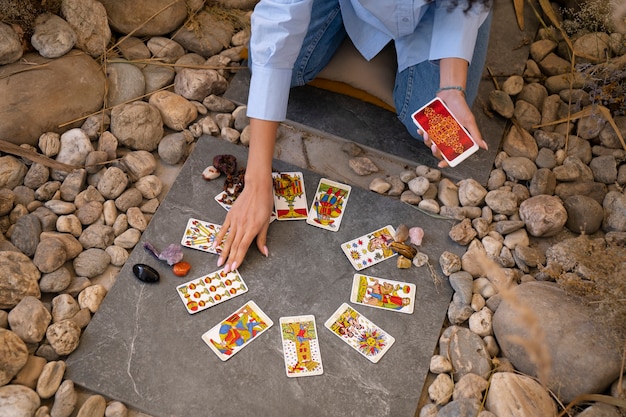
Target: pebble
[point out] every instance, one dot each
(145, 273)
(50, 379)
(29, 319)
(379, 185)
(362, 165)
(65, 400)
(18, 401)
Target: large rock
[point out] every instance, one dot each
(88, 18)
(208, 36)
(568, 332)
(31, 94)
(137, 125)
(134, 16)
(514, 395)
(18, 401)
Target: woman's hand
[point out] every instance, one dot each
(249, 217)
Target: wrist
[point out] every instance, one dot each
(451, 88)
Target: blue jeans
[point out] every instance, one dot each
(414, 87)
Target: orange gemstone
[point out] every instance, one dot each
(181, 268)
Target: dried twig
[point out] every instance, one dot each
(14, 149)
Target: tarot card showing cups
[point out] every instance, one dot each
(357, 331)
(289, 196)
(237, 331)
(328, 205)
(226, 200)
(211, 289)
(201, 235)
(371, 248)
(301, 348)
(383, 293)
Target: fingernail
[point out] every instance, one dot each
(226, 269)
(266, 251)
(233, 266)
(220, 261)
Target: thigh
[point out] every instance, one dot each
(325, 35)
(417, 85)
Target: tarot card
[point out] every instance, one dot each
(357, 331)
(237, 330)
(452, 139)
(225, 200)
(201, 235)
(383, 293)
(329, 205)
(211, 289)
(289, 196)
(301, 348)
(370, 249)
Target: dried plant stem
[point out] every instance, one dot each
(157, 62)
(14, 149)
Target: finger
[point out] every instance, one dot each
(261, 240)
(238, 251)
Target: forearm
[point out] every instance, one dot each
(261, 152)
(452, 73)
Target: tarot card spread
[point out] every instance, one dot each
(370, 249)
(211, 289)
(201, 235)
(357, 331)
(301, 348)
(237, 331)
(383, 293)
(328, 205)
(289, 196)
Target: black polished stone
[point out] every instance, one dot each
(145, 273)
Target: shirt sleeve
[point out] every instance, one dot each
(278, 30)
(455, 30)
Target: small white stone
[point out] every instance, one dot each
(440, 364)
(210, 173)
(481, 322)
(440, 391)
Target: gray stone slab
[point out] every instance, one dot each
(144, 349)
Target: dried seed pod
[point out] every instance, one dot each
(407, 251)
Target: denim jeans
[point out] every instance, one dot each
(414, 87)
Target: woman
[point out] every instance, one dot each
(441, 47)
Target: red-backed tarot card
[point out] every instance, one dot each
(452, 139)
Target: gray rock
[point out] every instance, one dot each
(419, 185)
(502, 202)
(18, 401)
(65, 400)
(471, 193)
(50, 255)
(97, 236)
(23, 195)
(89, 213)
(379, 185)
(568, 330)
(551, 140)
(56, 281)
(208, 36)
(589, 127)
(47, 191)
(128, 239)
(579, 148)
(440, 391)
(463, 232)
(53, 37)
(449, 263)
(36, 176)
(410, 197)
(545, 158)
(604, 169)
(397, 186)
(595, 190)
(29, 319)
(519, 168)
(608, 136)
(550, 111)
(471, 387)
(156, 77)
(25, 235)
(614, 212)
(132, 197)
(168, 50)
(599, 409)
(553, 64)
(458, 312)
(592, 45)
(115, 409)
(555, 83)
(501, 103)
(197, 84)
(91, 263)
(541, 48)
(126, 83)
(13, 356)
(108, 143)
(584, 214)
(518, 396)
(137, 125)
(543, 215)
(173, 148)
(72, 246)
(519, 142)
(466, 351)
(462, 283)
(513, 85)
(113, 183)
(118, 255)
(150, 186)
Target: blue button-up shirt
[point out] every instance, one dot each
(421, 31)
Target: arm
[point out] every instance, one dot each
(278, 29)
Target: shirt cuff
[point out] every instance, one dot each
(269, 93)
(464, 25)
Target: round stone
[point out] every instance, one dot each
(145, 273)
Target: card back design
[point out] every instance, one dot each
(201, 235)
(289, 196)
(381, 293)
(211, 289)
(301, 349)
(328, 205)
(237, 331)
(359, 332)
(370, 249)
(452, 139)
